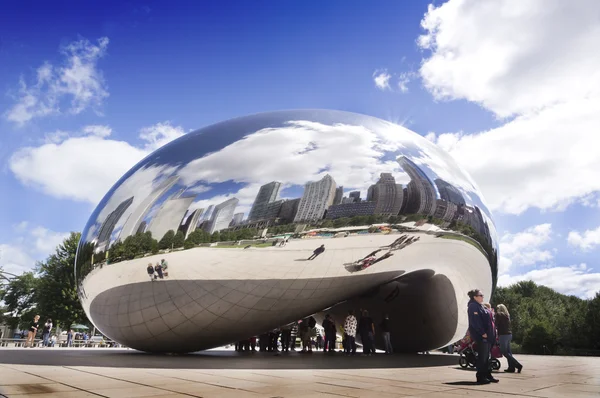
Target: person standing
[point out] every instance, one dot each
(350, 333)
(329, 329)
(366, 328)
(286, 335)
(505, 337)
(317, 252)
(70, 338)
(33, 328)
(46, 332)
(483, 333)
(385, 332)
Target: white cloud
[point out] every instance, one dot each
(586, 240)
(512, 57)
(160, 134)
(578, 280)
(530, 59)
(525, 248)
(382, 79)
(30, 244)
(87, 164)
(74, 86)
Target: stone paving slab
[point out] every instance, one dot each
(291, 376)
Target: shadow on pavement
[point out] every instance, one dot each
(117, 358)
(462, 383)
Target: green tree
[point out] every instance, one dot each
(167, 240)
(178, 239)
(56, 292)
(19, 296)
(215, 237)
(592, 319)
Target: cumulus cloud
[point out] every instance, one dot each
(381, 78)
(72, 87)
(88, 163)
(31, 243)
(577, 280)
(512, 58)
(530, 60)
(403, 81)
(525, 248)
(586, 240)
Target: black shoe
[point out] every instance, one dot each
(520, 368)
(491, 379)
(510, 370)
(483, 381)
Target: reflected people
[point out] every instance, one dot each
(239, 207)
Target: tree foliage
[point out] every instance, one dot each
(545, 321)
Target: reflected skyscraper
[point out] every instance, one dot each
(339, 194)
(387, 195)
(237, 219)
(317, 197)
(355, 196)
(267, 194)
(137, 216)
(421, 191)
(169, 216)
(449, 192)
(289, 209)
(222, 215)
(192, 222)
(107, 227)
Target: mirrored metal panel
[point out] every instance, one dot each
(255, 222)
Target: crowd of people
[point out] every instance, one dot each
(284, 338)
(488, 328)
(48, 338)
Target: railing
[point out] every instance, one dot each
(79, 343)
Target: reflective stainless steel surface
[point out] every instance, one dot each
(405, 231)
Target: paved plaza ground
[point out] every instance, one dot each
(69, 373)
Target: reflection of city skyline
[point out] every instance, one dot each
(320, 200)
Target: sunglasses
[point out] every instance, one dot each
(479, 295)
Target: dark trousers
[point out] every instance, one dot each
(286, 336)
(367, 341)
(329, 341)
(483, 360)
(350, 345)
(274, 338)
(314, 255)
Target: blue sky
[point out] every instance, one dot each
(105, 84)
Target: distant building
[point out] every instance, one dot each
(141, 211)
(347, 200)
(421, 191)
(267, 194)
(445, 210)
(449, 192)
(317, 197)
(350, 210)
(108, 226)
(237, 219)
(208, 213)
(288, 211)
(169, 216)
(355, 196)
(387, 195)
(222, 216)
(339, 194)
(191, 223)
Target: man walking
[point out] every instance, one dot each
(317, 251)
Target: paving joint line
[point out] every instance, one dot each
(128, 381)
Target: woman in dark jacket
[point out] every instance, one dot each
(505, 337)
(482, 332)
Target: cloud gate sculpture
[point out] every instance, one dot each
(234, 211)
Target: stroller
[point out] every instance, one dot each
(468, 354)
